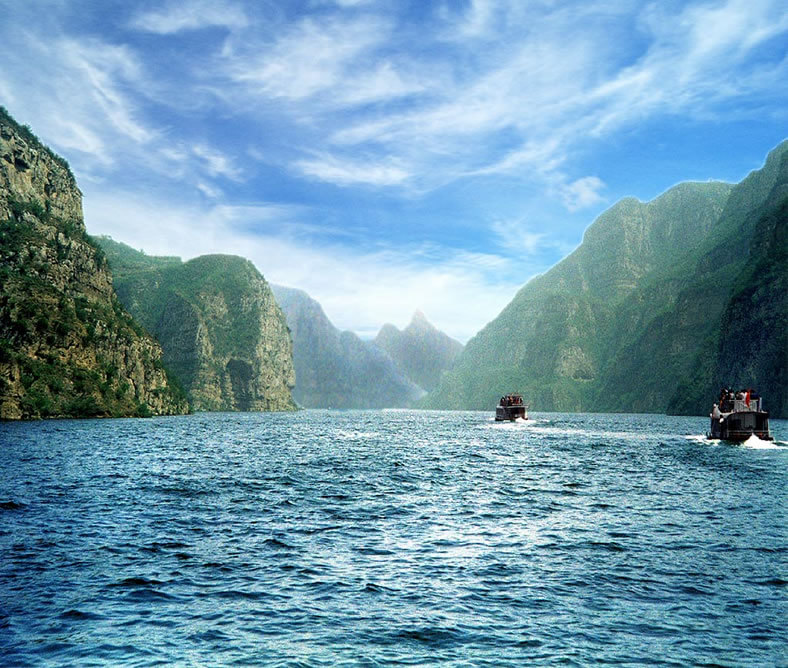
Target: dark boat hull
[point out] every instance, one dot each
(739, 426)
(511, 413)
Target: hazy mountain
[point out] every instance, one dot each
(67, 346)
(337, 369)
(222, 332)
(420, 351)
(621, 322)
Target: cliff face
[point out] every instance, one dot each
(420, 351)
(223, 334)
(67, 346)
(749, 348)
(337, 369)
(624, 322)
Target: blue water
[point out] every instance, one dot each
(394, 537)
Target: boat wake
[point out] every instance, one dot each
(753, 442)
(756, 443)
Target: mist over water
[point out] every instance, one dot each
(379, 537)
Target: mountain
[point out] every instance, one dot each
(223, 335)
(68, 348)
(337, 369)
(420, 351)
(750, 346)
(621, 323)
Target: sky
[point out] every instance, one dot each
(391, 155)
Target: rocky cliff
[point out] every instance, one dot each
(337, 369)
(420, 351)
(749, 347)
(67, 346)
(223, 334)
(620, 324)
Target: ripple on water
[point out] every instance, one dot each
(409, 537)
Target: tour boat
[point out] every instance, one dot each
(738, 416)
(511, 407)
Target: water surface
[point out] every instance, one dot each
(391, 537)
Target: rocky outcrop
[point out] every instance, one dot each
(420, 351)
(337, 369)
(223, 334)
(67, 346)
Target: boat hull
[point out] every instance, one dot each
(510, 413)
(739, 426)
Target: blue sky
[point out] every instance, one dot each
(387, 156)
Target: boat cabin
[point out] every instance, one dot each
(511, 407)
(738, 416)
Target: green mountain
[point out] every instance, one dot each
(67, 346)
(420, 351)
(337, 369)
(749, 348)
(223, 335)
(620, 324)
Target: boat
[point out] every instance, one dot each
(739, 416)
(511, 407)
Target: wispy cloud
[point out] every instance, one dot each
(215, 162)
(532, 99)
(309, 58)
(347, 172)
(185, 15)
(517, 237)
(582, 193)
(509, 106)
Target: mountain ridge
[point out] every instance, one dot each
(618, 323)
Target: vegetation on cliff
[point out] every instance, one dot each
(749, 348)
(623, 323)
(222, 332)
(67, 346)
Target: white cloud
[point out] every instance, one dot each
(215, 163)
(190, 15)
(85, 106)
(582, 193)
(209, 191)
(522, 105)
(349, 172)
(459, 291)
(515, 236)
(311, 57)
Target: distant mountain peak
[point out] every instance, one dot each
(420, 351)
(420, 323)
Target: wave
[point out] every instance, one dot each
(343, 435)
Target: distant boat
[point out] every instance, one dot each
(511, 407)
(738, 416)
